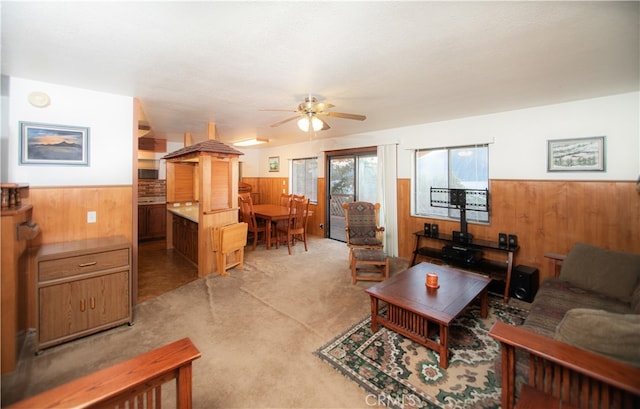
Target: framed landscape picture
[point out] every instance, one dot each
(44, 144)
(578, 154)
(274, 164)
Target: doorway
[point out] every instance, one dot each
(352, 175)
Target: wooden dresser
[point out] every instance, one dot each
(82, 287)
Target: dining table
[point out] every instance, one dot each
(271, 213)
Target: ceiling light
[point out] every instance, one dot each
(39, 99)
(251, 142)
(316, 123)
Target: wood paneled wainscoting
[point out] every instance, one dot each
(61, 213)
(268, 189)
(547, 216)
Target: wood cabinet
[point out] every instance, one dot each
(152, 221)
(82, 287)
(181, 182)
(152, 144)
(185, 238)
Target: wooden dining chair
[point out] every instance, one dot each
(296, 226)
(249, 217)
(285, 199)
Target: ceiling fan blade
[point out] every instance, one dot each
(278, 110)
(284, 121)
(325, 125)
(322, 106)
(345, 116)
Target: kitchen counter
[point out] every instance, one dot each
(150, 200)
(188, 212)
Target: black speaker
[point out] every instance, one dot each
(524, 283)
(502, 240)
(434, 230)
(513, 241)
(427, 229)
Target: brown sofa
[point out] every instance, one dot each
(594, 303)
(580, 344)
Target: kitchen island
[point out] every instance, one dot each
(205, 176)
(184, 231)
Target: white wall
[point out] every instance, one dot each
(109, 117)
(518, 140)
(517, 151)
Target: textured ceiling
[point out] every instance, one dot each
(398, 63)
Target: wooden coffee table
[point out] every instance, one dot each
(411, 306)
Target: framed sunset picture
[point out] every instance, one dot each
(44, 144)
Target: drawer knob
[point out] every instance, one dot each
(91, 263)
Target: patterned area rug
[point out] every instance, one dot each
(399, 373)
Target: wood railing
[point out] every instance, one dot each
(135, 383)
(564, 374)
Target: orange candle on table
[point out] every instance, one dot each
(432, 280)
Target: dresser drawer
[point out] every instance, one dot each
(81, 264)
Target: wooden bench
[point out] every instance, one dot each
(135, 383)
(563, 375)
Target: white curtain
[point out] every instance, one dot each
(387, 196)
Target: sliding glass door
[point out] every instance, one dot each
(352, 176)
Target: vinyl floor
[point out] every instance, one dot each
(161, 270)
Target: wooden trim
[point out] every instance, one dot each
(597, 366)
(552, 360)
(125, 381)
(137, 117)
(554, 264)
(340, 152)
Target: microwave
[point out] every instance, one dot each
(147, 173)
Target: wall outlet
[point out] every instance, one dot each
(91, 216)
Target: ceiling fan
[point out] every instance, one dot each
(310, 113)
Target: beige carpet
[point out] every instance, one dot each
(257, 330)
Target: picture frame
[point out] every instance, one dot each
(48, 144)
(274, 164)
(576, 154)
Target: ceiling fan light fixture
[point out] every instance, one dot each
(311, 122)
(303, 124)
(316, 123)
(310, 113)
(251, 142)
